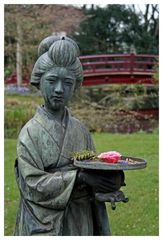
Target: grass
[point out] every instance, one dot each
(11, 192)
(138, 217)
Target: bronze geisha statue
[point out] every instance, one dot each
(56, 198)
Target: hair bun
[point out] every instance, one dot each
(47, 42)
(64, 52)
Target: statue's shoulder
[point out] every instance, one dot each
(31, 128)
(78, 124)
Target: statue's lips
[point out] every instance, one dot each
(58, 98)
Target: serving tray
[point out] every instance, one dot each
(126, 163)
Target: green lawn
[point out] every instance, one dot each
(138, 217)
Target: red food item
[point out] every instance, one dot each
(110, 157)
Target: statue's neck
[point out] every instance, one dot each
(58, 114)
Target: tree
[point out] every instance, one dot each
(117, 28)
(147, 29)
(26, 25)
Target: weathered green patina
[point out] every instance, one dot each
(52, 201)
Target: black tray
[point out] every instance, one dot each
(138, 163)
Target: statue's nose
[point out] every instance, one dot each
(59, 87)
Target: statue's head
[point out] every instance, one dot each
(58, 70)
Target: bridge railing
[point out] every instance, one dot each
(112, 68)
(119, 63)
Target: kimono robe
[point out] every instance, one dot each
(50, 202)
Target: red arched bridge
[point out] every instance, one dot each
(119, 68)
(113, 69)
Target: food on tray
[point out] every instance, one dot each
(128, 161)
(83, 155)
(110, 157)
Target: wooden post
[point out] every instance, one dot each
(132, 59)
(19, 55)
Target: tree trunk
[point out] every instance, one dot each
(19, 56)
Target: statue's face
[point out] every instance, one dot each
(57, 87)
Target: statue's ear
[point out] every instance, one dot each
(36, 85)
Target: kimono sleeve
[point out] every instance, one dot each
(50, 190)
(90, 143)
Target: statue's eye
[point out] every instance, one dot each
(51, 80)
(69, 81)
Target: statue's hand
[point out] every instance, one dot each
(117, 196)
(101, 181)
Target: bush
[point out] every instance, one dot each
(15, 119)
(102, 119)
(18, 110)
(98, 118)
